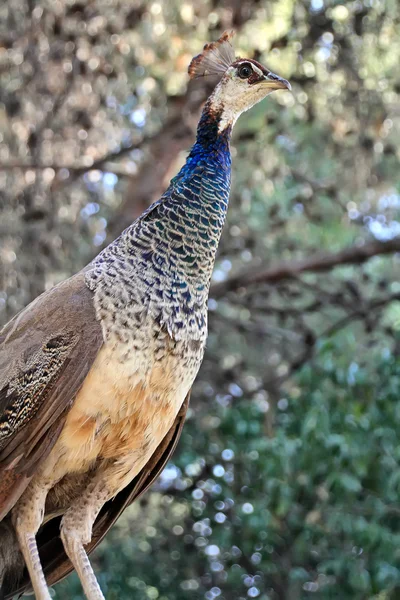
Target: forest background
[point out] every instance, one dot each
(286, 482)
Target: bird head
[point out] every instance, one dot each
(243, 81)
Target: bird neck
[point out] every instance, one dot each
(214, 129)
(210, 151)
(165, 259)
(202, 189)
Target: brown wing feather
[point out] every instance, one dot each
(55, 563)
(46, 352)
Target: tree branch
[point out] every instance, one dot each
(319, 262)
(77, 169)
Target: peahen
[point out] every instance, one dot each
(95, 374)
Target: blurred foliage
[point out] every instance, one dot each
(285, 483)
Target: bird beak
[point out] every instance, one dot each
(274, 82)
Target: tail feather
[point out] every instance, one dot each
(11, 559)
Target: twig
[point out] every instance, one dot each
(317, 263)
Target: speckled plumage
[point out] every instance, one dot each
(160, 267)
(39, 369)
(151, 285)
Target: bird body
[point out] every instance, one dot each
(150, 290)
(95, 374)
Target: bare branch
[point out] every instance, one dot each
(319, 262)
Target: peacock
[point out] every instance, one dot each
(95, 374)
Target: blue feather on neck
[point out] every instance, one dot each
(185, 225)
(203, 184)
(210, 142)
(171, 247)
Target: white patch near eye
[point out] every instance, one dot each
(257, 70)
(235, 95)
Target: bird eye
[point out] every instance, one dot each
(245, 71)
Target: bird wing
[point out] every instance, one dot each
(46, 352)
(55, 563)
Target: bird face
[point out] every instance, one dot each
(243, 85)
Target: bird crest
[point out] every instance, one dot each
(215, 59)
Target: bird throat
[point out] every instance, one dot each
(214, 129)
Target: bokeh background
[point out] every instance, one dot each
(286, 482)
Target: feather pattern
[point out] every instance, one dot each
(215, 59)
(164, 261)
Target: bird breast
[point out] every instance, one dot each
(128, 402)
